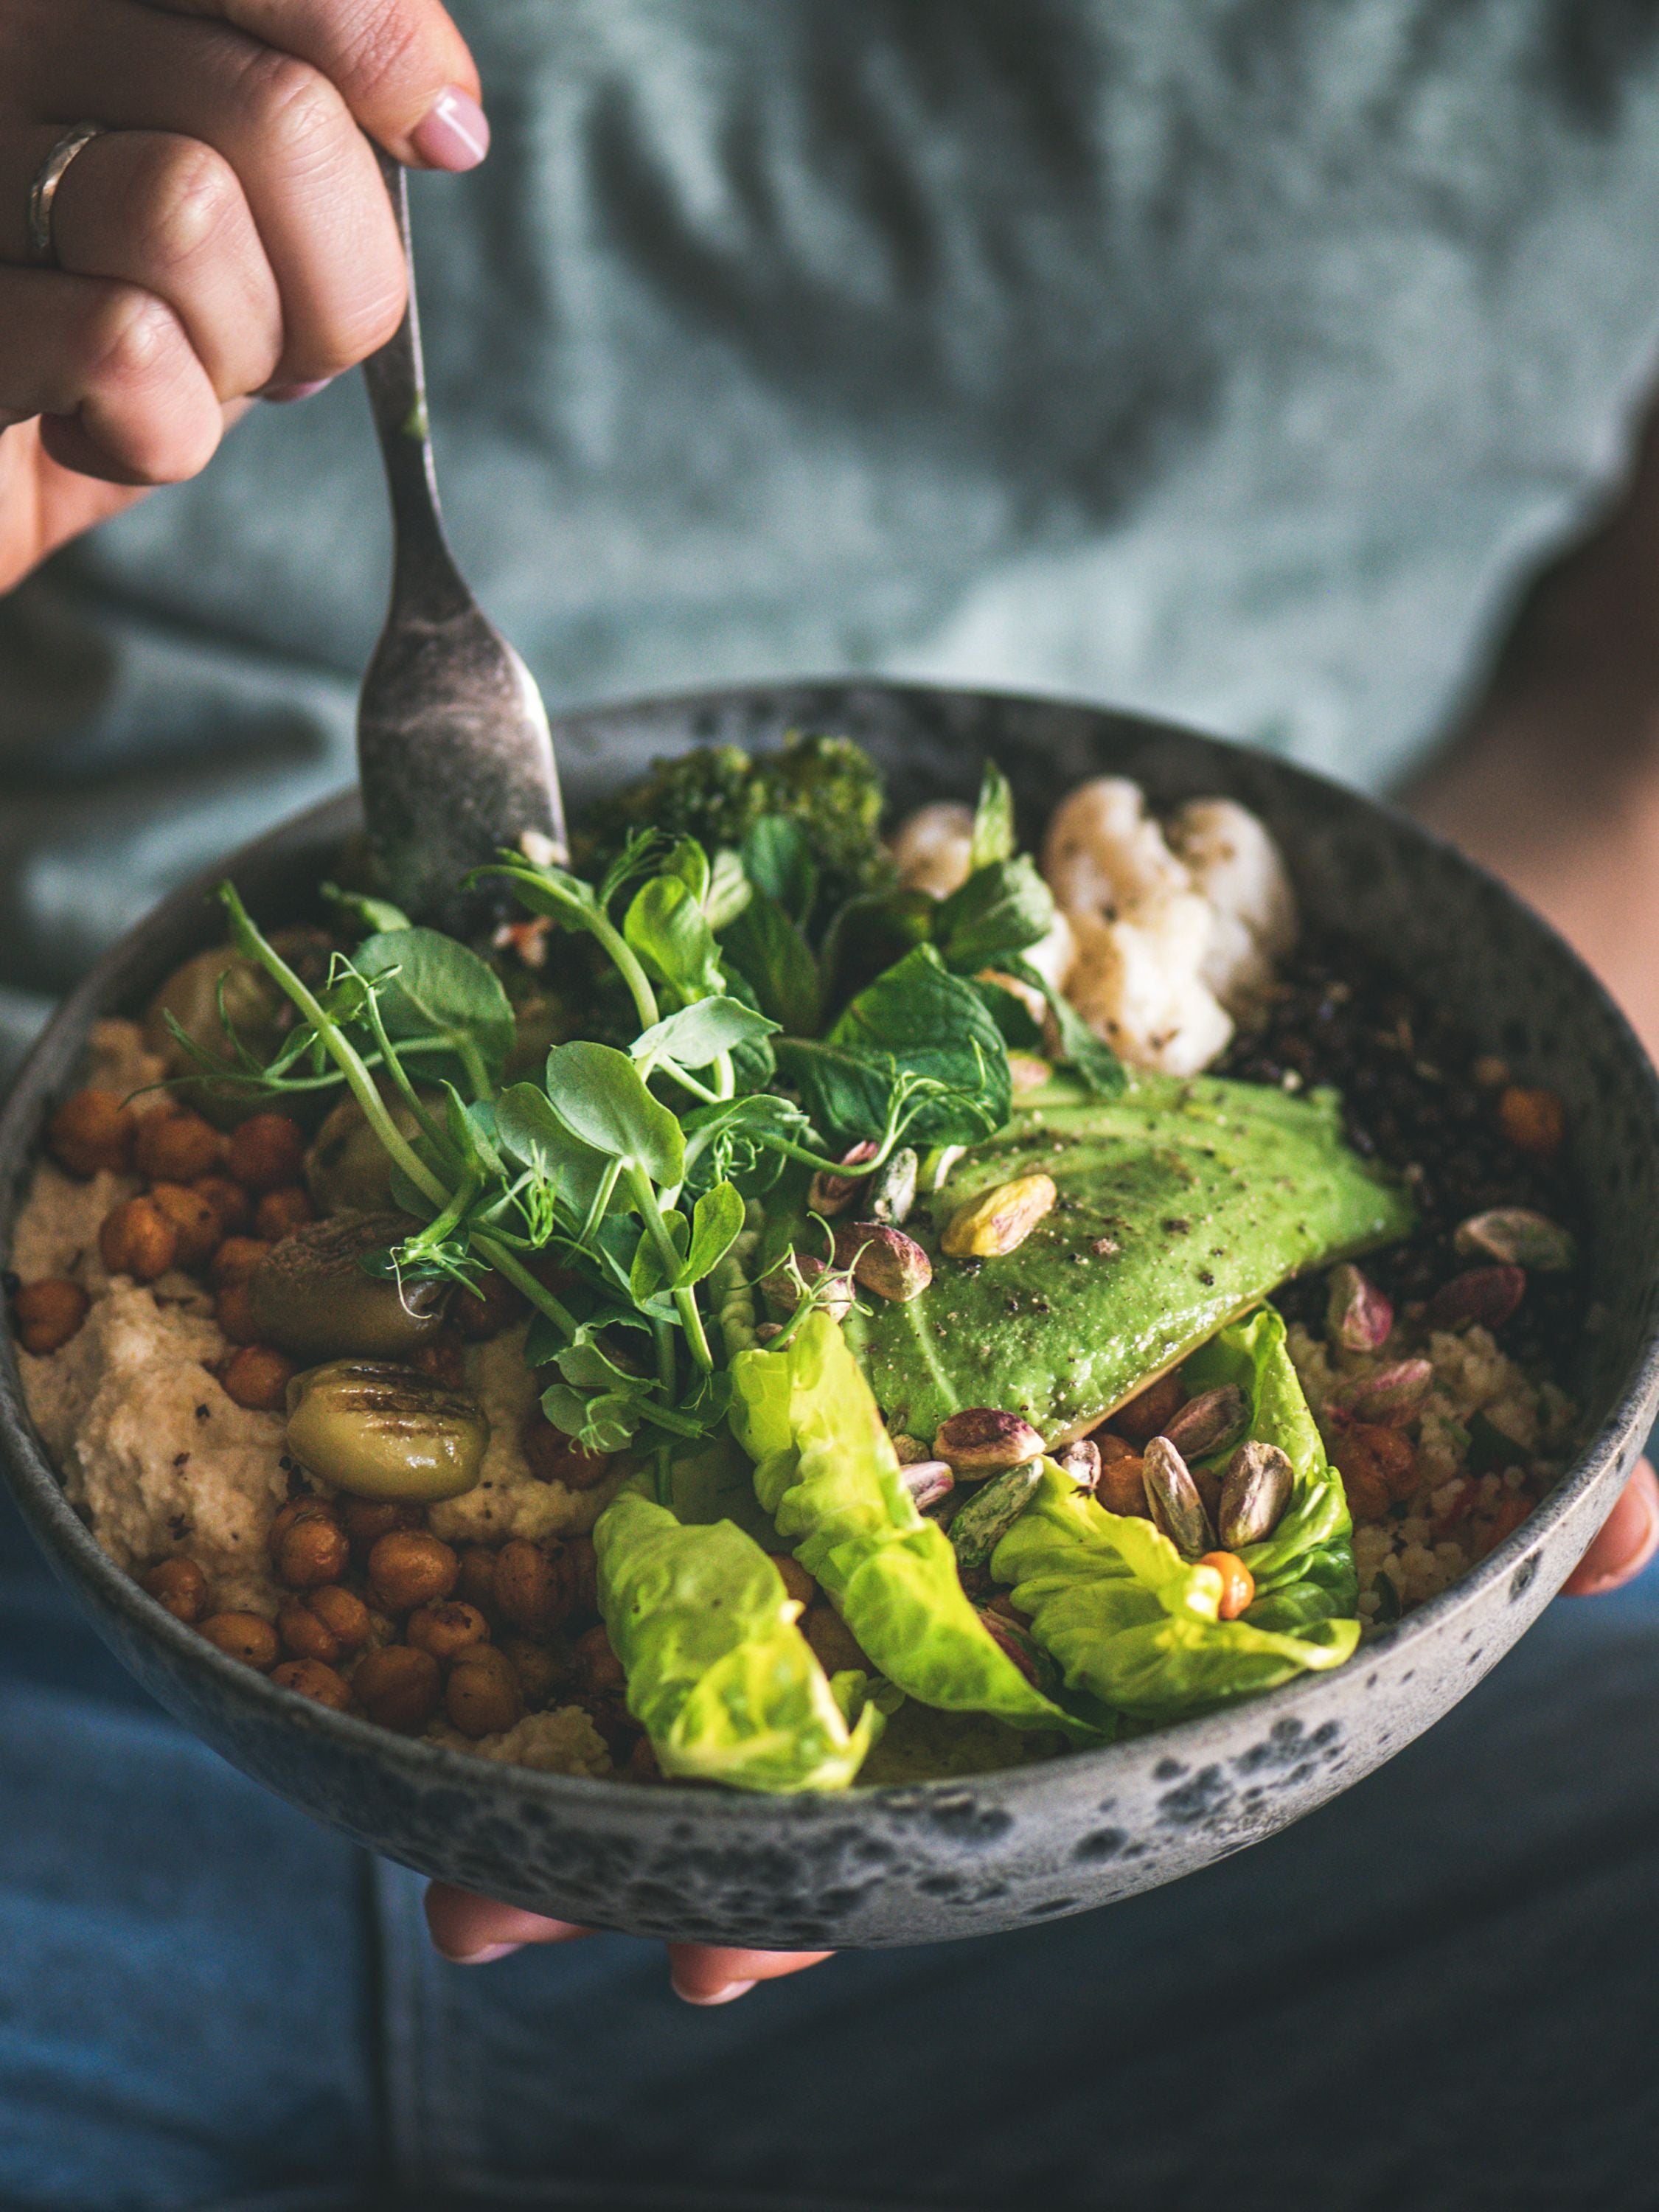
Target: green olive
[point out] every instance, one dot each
(383, 1431)
(347, 1169)
(311, 1298)
(254, 1006)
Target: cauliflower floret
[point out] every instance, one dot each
(1104, 853)
(1138, 985)
(1055, 955)
(1235, 863)
(933, 848)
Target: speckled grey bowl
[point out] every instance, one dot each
(907, 1865)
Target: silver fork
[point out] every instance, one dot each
(452, 742)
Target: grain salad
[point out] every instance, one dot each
(795, 1306)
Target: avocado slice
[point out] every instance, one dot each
(1182, 1204)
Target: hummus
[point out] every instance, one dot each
(160, 1461)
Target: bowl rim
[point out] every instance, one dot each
(45, 1506)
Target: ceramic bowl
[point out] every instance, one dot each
(894, 1866)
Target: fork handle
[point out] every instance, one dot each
(425, 579)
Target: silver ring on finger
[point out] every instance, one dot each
(43, 193)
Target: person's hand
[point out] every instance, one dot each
(1628, 1540)
(230, 236)
(471, 1932)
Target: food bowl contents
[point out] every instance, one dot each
(795, 1310)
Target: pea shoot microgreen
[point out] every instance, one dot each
(613, 1186)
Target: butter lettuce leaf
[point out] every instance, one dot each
(1133, 1623)
(719, 1676)
(826, 1472)
(1305, 1571)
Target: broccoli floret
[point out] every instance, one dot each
(717, 792)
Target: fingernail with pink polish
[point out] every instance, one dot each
(726, 1994)
(283, 395)
(454, 135)
(481, 1958)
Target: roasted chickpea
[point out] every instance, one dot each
(385, 1431)
(312, 1551)
(399, 1687)
(443, 1358)
(181, 1586)
(598, 1668)
(327, 1624)
(314, 1679)
(834, 1642)
(1534, 1121)
(1148, 1415)
(234, 1311)
(172, 1147)
(541, 1670)
(243, 1635)
(800, 1584)
(554, 1457)
(1237, 1582)
(229, 1200)
(234, 1261)
(137, 1239)
(195, 1221)
(410, 1567)
(47, 1313)
(313, 1298)
(1378, 1467)
(483, 1695)
(304, 1507)
(280, 1212)
(532, 1593)
(265, 1152)
(343, 1613)
(477, 1583)
(484, 1312)
(93, 1130)
(258, 1378)
(366, 1520)
(1121, 1488)
(446, 1629)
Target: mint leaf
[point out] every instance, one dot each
(997, 914)
(777, 857)
(771, 955)
(931, 1023)
(993, 820)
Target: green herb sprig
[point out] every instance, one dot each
(611, 1188)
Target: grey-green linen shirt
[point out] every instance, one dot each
(1233, 358)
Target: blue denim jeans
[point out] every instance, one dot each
(1442, 1991)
